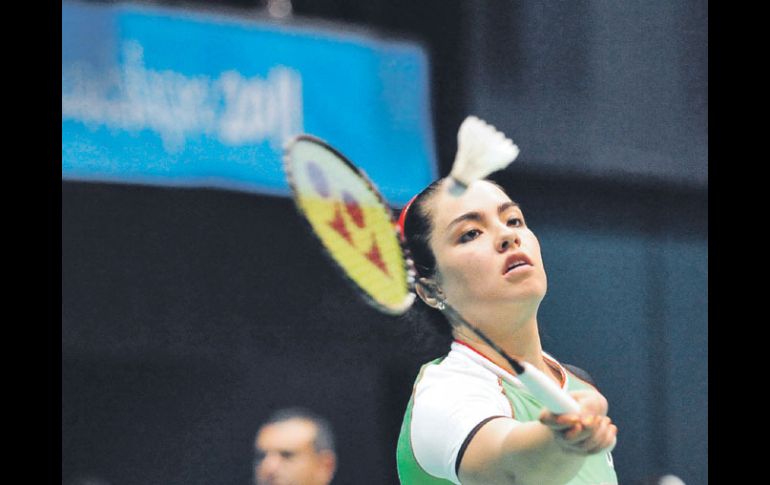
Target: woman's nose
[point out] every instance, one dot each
(508, 238)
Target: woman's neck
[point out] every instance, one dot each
(520, 340)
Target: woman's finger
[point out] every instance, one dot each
(603, 439)
(597, 435)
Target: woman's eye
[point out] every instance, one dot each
(469, 235)
(515, 222)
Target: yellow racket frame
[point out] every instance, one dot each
(352, 220)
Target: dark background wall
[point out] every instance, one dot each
(189, 314)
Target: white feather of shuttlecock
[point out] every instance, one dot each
(481, 150)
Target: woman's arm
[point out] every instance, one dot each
(550, 451)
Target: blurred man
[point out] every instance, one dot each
(294, 447)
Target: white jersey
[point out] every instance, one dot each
(452, 398)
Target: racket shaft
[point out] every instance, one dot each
(497, 370)
(546, 391)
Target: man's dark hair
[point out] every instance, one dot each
(324, 438)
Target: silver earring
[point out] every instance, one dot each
(441, 305)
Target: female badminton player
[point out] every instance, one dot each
(463, 423)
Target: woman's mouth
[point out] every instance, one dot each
(515, 262)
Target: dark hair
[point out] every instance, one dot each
(324, 438)
(418, 227)
(417, 230)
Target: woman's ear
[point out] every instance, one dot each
(429, 292)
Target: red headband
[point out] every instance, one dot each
(402, 218)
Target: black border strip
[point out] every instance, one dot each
(468, 440)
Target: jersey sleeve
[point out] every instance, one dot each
(582, 374)
(446, 411)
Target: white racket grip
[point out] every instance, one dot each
(544, 389)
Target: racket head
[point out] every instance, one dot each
(352, 221)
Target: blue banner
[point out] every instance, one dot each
(187, 98)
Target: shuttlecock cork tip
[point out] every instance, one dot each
(481, 150)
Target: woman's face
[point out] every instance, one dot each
(487, 259)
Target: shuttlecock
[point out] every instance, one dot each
(481, 150)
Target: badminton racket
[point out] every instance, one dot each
(355, 226)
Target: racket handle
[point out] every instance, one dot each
(546, 391)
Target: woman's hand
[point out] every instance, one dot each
(591, 402)
(587, 433)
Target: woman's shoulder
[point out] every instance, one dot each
(456, 373)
